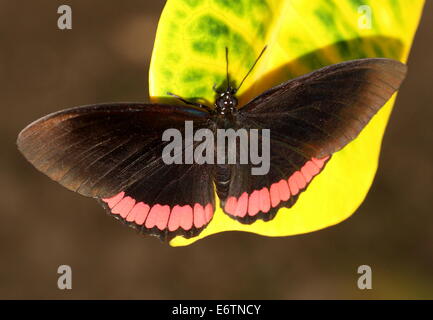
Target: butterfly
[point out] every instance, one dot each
(114, 152)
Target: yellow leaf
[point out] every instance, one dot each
(301, 35)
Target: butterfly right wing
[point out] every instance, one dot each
(113, 152)
(309, 119)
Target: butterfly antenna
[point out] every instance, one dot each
(227, 68)
(251, 69)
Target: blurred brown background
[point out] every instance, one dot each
(106, 58)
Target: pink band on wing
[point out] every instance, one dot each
(139, 213)
(274, 194)
(181, 216)
(111, 202)
(231, 205)
(160, 216)
(266, 198)
(175, 217)
(294, 189)
(254, 203)
(208, 212)
(199, 216)
(300, 180)
(283, 189)
(320, 162)
(123, 207)
(242, 205)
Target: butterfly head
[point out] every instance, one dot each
(226, 102)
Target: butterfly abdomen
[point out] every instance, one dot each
(222, 177)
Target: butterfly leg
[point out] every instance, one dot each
(214, 88)
(202, 106)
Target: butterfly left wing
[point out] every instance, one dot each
(309, 119)
(113, 152)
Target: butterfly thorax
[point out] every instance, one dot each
(226, 103)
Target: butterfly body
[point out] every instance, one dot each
(115, 152)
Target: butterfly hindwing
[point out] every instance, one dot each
(309, 119)
(113, 152)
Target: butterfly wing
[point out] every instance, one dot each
(114, 153)
(309, 118)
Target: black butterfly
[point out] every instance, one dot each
(112, 152)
